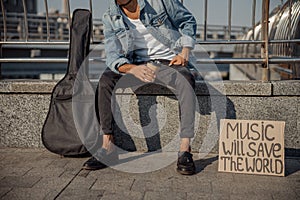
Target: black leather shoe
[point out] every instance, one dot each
(93, 164)
(101, 160)
(185, 164)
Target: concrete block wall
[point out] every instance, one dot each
(24, 106)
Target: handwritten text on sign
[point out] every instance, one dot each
(252, 147)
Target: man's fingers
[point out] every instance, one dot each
(147, 76)
(172, 62)
(179, 60)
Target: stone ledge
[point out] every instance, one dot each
(286, 88)
(235, 88)
(27, 86)
(229, 88)
(25, 105)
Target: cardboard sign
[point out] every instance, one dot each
(252, 147)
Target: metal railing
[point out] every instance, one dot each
(54, 30)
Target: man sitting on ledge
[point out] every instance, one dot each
(138, 32)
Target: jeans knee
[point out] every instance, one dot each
(107, 80)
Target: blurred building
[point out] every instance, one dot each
(17, 6)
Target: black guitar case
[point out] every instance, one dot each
(62, 132)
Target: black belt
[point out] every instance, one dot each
(160, 61)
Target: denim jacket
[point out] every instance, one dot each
(167, 20)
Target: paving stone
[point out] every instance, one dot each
(75, 162)
(248, 178)
(70, 172)
(180, 178)
(47, 182)
(152, 185)
(19, 181)
(24, 193)
(84, 173)
(7, 149)
(33, 151)
(48, 154)
(13, 171)
(279, 195)
(51, 186)
(297, 187)
(165, 173)
(198, 196)
(59, 163)
(46, 172)
(17, 159)
(52, 195)
(192, 186)
(251, 196)
(4, 191)
(149, 195)
(258, 186)
(220, 187)
(80, 194)
(207, 165)
(215, 176)
(116, 175)
(52, 183)
(205, 196)
(82, 183)
(104, 174)
(132, 195)
(39, 162)
(113, 185)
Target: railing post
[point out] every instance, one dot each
(0, 57)
(229, 18)
(205, 20)
(265, 38)
(25, 20)
(4, 35)
(4, 21)
(253, 18)
(69, 18)
(47, 21)
(91, 9)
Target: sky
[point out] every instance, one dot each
(217, 9)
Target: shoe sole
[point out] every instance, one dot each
(102, 167)
(182, 172)
(92, 168)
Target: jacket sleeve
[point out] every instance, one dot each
(115, 56)
(184, 21)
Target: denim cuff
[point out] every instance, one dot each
(118, 63)
(188, 41)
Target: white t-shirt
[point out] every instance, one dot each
(145, 46)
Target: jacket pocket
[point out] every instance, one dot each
(120, 33)
(122, 37)
(159, 19)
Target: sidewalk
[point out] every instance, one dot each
(39, 174)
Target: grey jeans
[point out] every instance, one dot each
(177, 78)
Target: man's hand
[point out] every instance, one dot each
(141, 72)
(182, 58)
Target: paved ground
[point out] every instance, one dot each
(38, 174)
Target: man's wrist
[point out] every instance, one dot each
(126, 68)
(186, 49)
